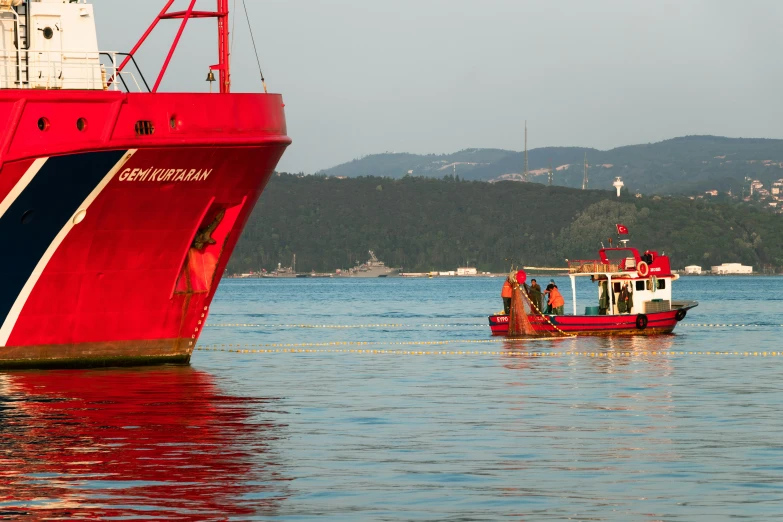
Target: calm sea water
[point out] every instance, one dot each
(351, 436)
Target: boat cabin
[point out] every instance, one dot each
(647, 278)
(52, 44)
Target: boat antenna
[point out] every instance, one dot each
(526, 171)
(252, 39)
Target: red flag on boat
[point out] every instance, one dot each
(622, 230)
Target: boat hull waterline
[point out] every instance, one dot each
(658, 323)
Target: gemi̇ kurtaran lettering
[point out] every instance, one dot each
(153, 174)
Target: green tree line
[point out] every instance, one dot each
(423, 224)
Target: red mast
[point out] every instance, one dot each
(221, 14)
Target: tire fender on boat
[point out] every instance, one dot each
(680, 315)
(643, 269)
(641, 322)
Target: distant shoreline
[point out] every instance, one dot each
(538, 275)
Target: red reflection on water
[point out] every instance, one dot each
(160, 443)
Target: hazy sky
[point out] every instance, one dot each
(366, 76)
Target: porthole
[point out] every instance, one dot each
(43, 124)
(27, 217)
(81, 124)
(173, 122)
(48, 33)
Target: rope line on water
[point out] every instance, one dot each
(368, 343)
(437, 325)
(726, 325)
(605, 355)
(336, 326)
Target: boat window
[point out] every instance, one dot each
(617, 287)
(661, 284)
(640, 285)
(648, 285)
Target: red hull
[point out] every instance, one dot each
(656, 323)
(119, 239)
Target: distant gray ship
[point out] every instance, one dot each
(286, 271)
(372, 268)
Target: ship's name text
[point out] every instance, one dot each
(153, 174)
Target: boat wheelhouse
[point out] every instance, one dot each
(634, 297)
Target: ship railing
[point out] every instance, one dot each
(62, 69)
(592, 266)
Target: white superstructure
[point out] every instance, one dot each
(51, 44)
(732, 268)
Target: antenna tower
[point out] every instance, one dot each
(526, 171)
(584, 179)
(550, 173)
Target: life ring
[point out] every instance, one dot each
(641, 322)
(643, 269)
(680, 314)
(653, 284)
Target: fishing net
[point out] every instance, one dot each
(518, 321)
(522, 308)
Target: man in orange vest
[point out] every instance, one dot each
(506, 295)
(555, 299)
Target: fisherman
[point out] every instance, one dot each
(603, 300)
(535, 295)
(506, 295)
(555, 302)
(549, 287)
(625, 302)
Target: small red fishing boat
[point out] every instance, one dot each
(634, 298)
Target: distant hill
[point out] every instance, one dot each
(426, 224)
(398, 164)
(686, 165)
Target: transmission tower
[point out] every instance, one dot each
(584, 179)
(526, 171)
(550, 173)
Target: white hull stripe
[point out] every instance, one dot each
(21, 299)
(25, 180)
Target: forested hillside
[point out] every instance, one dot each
(687, 165)
(426, 224)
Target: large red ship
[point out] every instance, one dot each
(118, 209)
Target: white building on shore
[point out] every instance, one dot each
(466, 271)
(693, 270)
(731, 268)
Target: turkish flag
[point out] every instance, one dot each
(622, 230)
